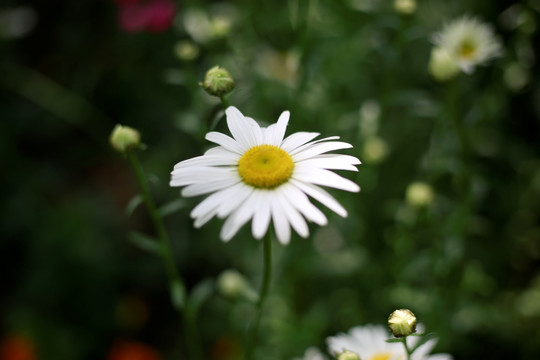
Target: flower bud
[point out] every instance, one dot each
(218, 82)
(441, 65)
(375, 150)
(348, 355)
(419, 194)
(402, 323)
(124, 138)
(405, 7)
(232, 284)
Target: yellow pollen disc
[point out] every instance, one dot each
(467, 50)
(265, 166)
(381, 356)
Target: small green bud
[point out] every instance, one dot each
(348, 355)
(232, 284)
(405, 7)
(218, 82)
(419, 194)
(442, 67)
(124, 138)
(374, 150)
(402, 323)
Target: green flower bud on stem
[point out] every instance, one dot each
(441, 65)
(405, 7)
(218, 82)
(232, 284)
(419, 194)
(124, 138)
(402, 323)
(348, 355)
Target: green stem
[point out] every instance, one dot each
(166, 250)
(407, 349)
(253, 332)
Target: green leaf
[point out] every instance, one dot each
(200, 293)
(133, 204)
(178, 294)
(172, 207)
(144, 242)
(394, 340)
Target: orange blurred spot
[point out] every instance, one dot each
(16, 347)
(132, 350)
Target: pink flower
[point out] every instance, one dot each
(154, 15)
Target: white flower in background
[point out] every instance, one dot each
(258, 174)
(312, 353)
(370, 343)
(469, 42)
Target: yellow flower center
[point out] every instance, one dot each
(265, 166)
(381, 356)
(467, 49)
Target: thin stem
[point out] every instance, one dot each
(253, 332)
(166, 250)
(409, 352)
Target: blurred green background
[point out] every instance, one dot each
(466, 261)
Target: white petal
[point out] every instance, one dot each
(211, 203)
(321, 196)
(331, 163)
(208, 160)
(309, 144)
(318, 149)
(295, 219)
(301, 202)
(281, 225)
(239, 217)
(202, 174)
(240, 127)
(200, 221)
(261, 218)
(325, 178)
(295, 140)
(226, 141)
(208, 187)
(238, 194)
(281, 126)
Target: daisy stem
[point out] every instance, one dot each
(176, 283)
(407, 349)
(252, 336)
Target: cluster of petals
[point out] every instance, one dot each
(369, 342)
(286, 205)
(469, 42)
(153, 15)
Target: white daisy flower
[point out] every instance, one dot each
(369, 342)
(258, 174)
(469, 42)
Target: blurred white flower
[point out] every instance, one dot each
(369, 342)
(258, 174)
(312, 353)
(469, 42)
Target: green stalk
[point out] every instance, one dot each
(166, 250)
(407, 349)
(253, 332)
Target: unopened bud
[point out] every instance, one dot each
(375, 150)
(405, 7)
(218, 82)
(441, 65)
(124, 138)
(348, 355)
(402, 323)
(232, 284)
(419, 194)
